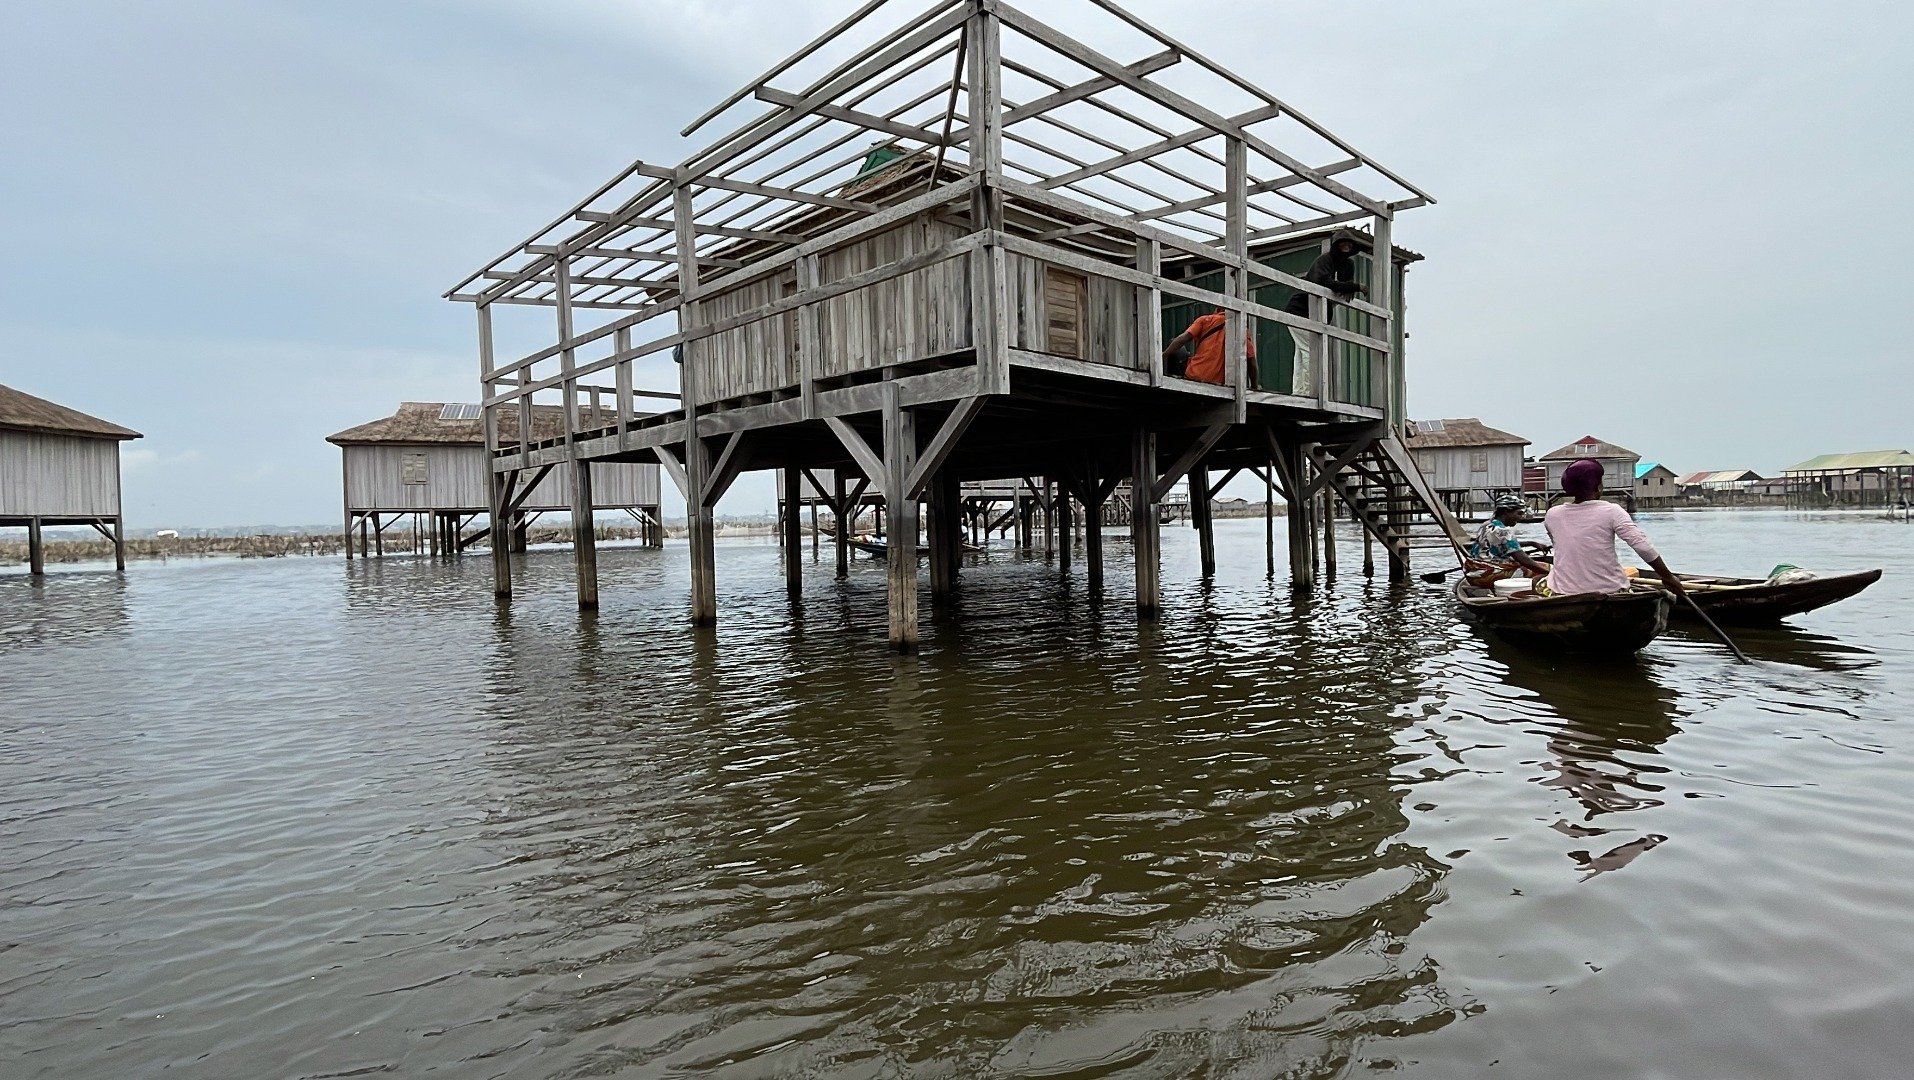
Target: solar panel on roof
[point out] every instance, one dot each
(459, 412)
(1428, 427)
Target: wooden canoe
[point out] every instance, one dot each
(871, 545)
(1588, 623)
(1733, 601)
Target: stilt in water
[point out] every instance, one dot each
(1329, 535)
(584, 536)
(900, 457)
(703, 530)
(846, 517)
(1199, 486)
(119, 544)
(1144, 536)
(793, 522)
(1064, 528)
(942, 533)
(36, 548)
(1269, 518)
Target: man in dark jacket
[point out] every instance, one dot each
(1334, 270)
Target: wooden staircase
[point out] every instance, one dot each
(1376, 478)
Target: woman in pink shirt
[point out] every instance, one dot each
(1584, 534)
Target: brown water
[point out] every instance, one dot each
(286, 818)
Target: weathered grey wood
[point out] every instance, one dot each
(1381, 290)
(724, 469)
(867, 459)
(941, 529)
(793, 534)
(36, 548)
(1200, 520)
(584, 535)
(1177, 103)
(784, 65)
(674, 469)
(1145, 512)
(1188, 459)
(942, 444)
(900, 458)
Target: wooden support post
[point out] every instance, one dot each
(900, 459)
(378, 536)
(1269, 518)
(521, 534)
(1292, 468)
(793, 534)
(1382, 281)
(1049, 517)
(432, 535)
(365, 537)
(944, 536)
(1064, 528)
(846, 520)
(584, 538)
(1144, 537)
(1093, 529)
(703, 531)
(1327, 502)
(1398, 519)
(36, 548)
(119, 544)
(1200, 519)
(1368, 553)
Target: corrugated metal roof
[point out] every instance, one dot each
(1718, 476)
(1869, 459)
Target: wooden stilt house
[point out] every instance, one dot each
(986, 301)
(59, 466)
(426, 466)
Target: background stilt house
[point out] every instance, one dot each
(986, 306)
(1618, 465)
(425, 465)
(1467, 462)
(59, 466)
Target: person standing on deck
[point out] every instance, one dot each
(1207, 338)
(1334, 270)
(1584, 533)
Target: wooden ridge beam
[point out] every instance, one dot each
(1174, 142)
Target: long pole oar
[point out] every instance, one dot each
(1719, 632)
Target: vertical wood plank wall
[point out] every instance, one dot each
(50, 475)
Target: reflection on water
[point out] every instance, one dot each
(357, 819)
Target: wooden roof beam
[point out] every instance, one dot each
(1251, 88)
(878, 62)
(783, 65)
(1176, 102)
(866, 120)
(709, 230)
(1263, 188)
(1174, 142)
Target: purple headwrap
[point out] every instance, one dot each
(1583, 479)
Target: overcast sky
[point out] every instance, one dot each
(1682, 227)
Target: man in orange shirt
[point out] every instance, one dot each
(1206, 336)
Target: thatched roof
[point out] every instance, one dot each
(1465, 431)
(24, 412)
(417, 423)
(1588, 446)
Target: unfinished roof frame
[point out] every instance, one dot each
(621, 253)
(1096, 166)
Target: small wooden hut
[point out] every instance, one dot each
(1654, 484)
(426, 464)
(1466, 461)
(1618, 464)
(59, 466)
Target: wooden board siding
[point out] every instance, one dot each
(917, 316)
(1106, 314)
(1453, 468)
(455, 480)
(44, 475)
(1064, 298)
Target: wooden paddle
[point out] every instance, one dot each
(1719, 632)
